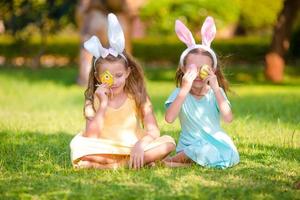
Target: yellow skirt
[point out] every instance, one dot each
(83, 146)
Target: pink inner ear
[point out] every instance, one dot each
(208, 31)
(184, 34)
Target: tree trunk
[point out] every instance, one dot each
(36, 60)
(280, 42)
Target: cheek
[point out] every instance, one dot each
(120, 80)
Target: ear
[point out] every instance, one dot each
(208, 31)
(128, 71)
(115, 34)
(184, 34)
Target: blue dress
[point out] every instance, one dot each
(202, 139)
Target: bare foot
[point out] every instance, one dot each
(167, 159)
(172, 164)
(151, 164)
(83, 164)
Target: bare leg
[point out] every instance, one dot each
(108, 161)
(103, 161)
(104, 158)
(90, 164)
(158, 153)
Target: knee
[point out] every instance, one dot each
(170, 147)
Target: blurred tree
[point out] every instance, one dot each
(48, 16)
(161, 15)
(281, 40)
(294, 50)
(247, 16)
(257, 16)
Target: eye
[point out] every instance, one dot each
(119, 75)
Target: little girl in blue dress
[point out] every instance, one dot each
(200, 102)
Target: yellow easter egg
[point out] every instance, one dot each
(107, 77)
(204, 71)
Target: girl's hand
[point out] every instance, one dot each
(102, 92)
(189, 77)
(136, 157)
(212, 80)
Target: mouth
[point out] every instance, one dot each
(114, 87)
(197, 80)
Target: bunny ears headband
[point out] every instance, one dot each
(208, 32)
(116, 41)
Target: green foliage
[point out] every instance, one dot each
(41, 111)
(259, 15)
(148, 49)
(23, 18)
(61, 45)
(249, 15)
(248, 49)
(161, 15)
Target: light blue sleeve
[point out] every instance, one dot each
(224, 95)
(172, 97)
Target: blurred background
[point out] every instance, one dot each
(262, 36)
(43, 71)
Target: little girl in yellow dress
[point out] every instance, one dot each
(121, 128)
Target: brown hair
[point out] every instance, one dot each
(134, 86)
(219, 73)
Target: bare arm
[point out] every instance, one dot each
(94, 124)
(150, 124)
(88, 111)
(224, 107)
(187, 81)
(152, 132)
(173, 111)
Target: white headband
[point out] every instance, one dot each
(208, 33)
(116, 41)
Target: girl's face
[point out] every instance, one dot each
(199, 60)
(119, 72)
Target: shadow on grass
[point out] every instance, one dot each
(33, 150)
(36, 164)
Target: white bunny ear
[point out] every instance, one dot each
(93, 45)
(184, 34)
(115, 34)
(208, 31)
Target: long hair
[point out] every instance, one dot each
(134, 85)
(219, 72)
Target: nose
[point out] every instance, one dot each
(193, 66)
(115, 83)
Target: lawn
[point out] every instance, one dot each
(41, 110)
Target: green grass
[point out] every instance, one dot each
(41, 110)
